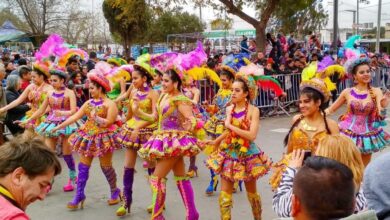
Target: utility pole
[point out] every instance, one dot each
(225, 38)
(378, 29)
(335, 26)
(357, 16)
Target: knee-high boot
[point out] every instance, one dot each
(225, 205)
(158, 186)
(110, 174)
(81, 183)
(72, 173)
(128, 179)
(187, 194)
(255, 201)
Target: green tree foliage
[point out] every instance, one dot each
(173, 22)
(127, 19)
(371, 34)
(221, 24)
(302, 19)
(265, 9)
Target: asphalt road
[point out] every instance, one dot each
(270, 138)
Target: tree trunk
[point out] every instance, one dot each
(260, 38)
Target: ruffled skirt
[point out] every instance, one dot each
(369, 142)
(168, 144)
(214, 127)
(245, 168)
(45, 128)
(123, 137)
(94, 145)
(33, 123)
(278, 169)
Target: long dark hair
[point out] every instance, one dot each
(226, 73)
(143, 73)
(314, 95)
(175, 78)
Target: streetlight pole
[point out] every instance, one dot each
(378, 29)
(357, 16)
(335, 26)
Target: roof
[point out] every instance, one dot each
(8, 32)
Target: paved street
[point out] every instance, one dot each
(270, 139)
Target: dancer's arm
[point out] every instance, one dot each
(143, 115)
(41, 110)
(196, 98)
(125, 94)
(72, 102)
(383, 98)
(253, 128)
(112, 112)
(17, 101)
(79, 114)
(338, 103)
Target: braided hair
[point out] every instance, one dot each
(314, 95)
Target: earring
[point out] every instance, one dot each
(145, 85)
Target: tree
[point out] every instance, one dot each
(42, 16)
(172, 21)
(127, 19)
(371, 33)
(295, 20)
(221, 24)
(265, 10)
(6, 14)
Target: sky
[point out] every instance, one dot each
(368, 12)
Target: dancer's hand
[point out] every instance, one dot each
(55, 129)
(296, 159)
(134, 135)
(135, 105)
(228, 125)
(386, 98)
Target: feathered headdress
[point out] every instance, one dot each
(318, 85)
(70, 53)
(262, 81)
(116, 61)
(199, 73)
(325, 62)
(53, 46)
(98, 75)
(356, 62)
(233, 62)
(43, 67)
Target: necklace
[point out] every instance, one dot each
(141, 95)
(358, 96)
(308, 127)
(97, 103)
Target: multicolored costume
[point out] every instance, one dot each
(215, 124)
(168, 141)
(36, 98)
(236, 158)
(57, 102)
(145, 105)
(298, 140)
(92, 140)
(359, 123)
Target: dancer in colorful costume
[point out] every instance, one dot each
(62, 104)
(172, 140)
(217, 110)
(96, 138)
(238, 158)
(138, 129)
(365, 113)
(35, 94)
(309, 127)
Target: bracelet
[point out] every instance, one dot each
(147, 118)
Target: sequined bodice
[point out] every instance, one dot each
(357, 108)
(169, 116)
(58, 101)
(300, 140)
(36, 97)
(359, 117)
(144, 103)
(222, 98)
(90, 125)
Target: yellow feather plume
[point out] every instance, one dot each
(199, 73)
(330, 70)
